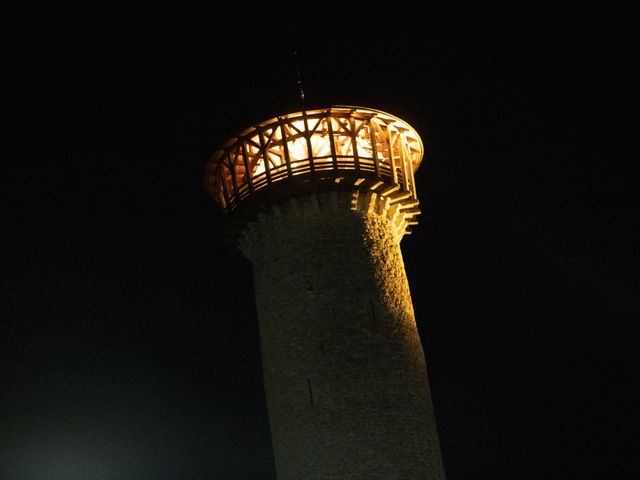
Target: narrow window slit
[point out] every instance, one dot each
(310, 391)
(373, 310)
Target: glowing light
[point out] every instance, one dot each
(364, 146)
(298, 149)
(327, 142)
(299, 125)
(320, 146)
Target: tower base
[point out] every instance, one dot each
(344, 370)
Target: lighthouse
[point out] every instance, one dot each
(318, 201)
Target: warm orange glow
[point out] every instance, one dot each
(298, 149)
(325, 144)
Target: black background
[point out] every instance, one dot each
(129, 343)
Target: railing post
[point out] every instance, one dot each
(307, 136)
(265, 157)
(247, 169)
(285, 148)
(374, 147)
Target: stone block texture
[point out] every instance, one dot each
(344, 370)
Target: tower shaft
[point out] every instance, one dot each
(344, 369)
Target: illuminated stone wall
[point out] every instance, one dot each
(344, 370)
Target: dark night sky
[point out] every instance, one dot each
(128, 343)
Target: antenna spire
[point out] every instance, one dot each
(300, 89)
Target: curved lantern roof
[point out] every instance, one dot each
(337, 147)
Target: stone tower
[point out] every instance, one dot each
(318, 201)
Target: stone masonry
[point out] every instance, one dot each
(344, 370)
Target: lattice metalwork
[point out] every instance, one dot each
(356, 147)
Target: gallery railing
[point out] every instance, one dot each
(357, 147)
